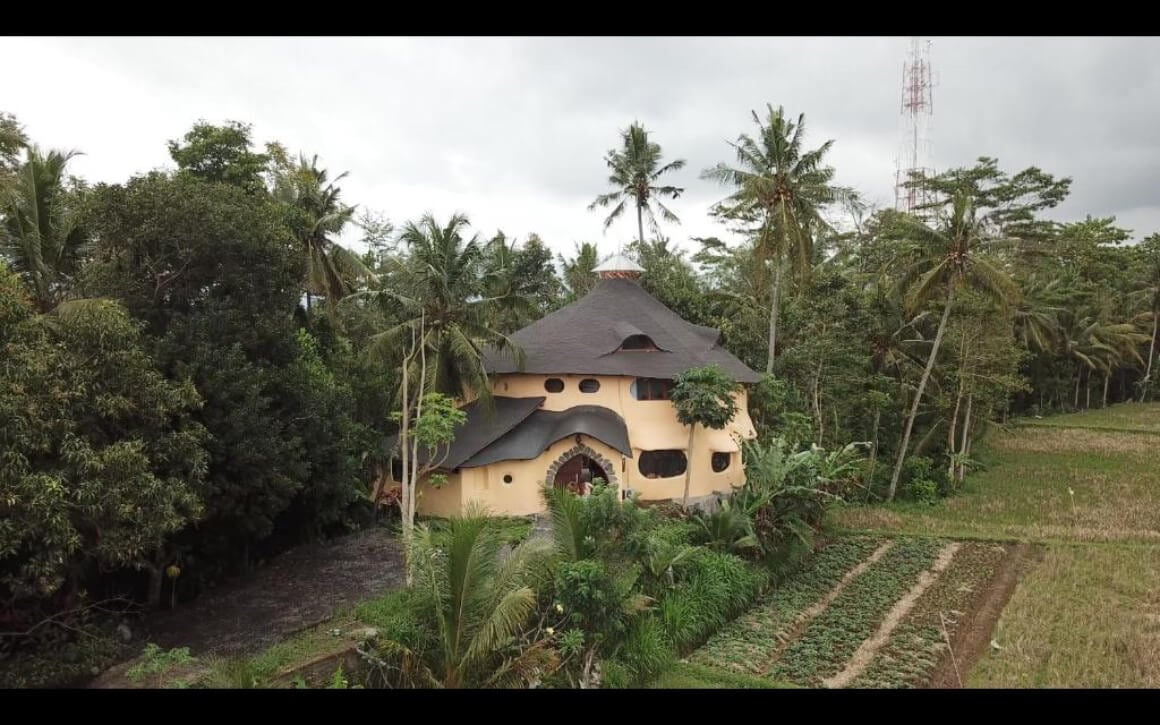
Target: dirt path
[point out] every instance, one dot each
(298, 589)
(865, 653)
(970, 642)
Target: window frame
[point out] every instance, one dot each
(663, 386)
(728, 461)
(659, 467)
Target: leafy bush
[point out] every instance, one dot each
(786, 494)
(156, 661)
(713, 588)
(726, 529)
(922, 490)
(59, 657)
(920, 479)
(398, 616)
(644, 654)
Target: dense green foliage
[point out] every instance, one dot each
(197, 375)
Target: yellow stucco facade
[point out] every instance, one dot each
(513, 487)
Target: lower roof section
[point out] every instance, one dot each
(541, 429)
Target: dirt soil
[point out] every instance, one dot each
(295, 590)
(971, 642)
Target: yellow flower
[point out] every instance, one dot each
(560, 608)
(173, 571)
(550, 631)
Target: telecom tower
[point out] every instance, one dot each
(914, 152)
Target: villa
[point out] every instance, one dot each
(591, 400)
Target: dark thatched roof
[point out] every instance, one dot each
(544, 427)
(585, 337)
(482, 428)
(516, 430)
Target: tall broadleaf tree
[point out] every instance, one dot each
(636, 171)
(783, 191)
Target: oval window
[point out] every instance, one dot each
(554, 385)
(721, 461)
(662, 464)
(589, 385)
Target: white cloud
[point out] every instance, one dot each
(513, 131)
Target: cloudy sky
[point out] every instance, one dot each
(513, 131)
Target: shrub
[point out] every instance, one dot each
(643, 655)
(713, 588)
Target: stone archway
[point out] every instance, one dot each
(581, 450)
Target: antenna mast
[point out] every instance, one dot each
(917, 108)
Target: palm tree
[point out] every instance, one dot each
(946, 258)
(782, 190)
(1149, 299)
(1036, 318)
(331, 269)
(481, 603)
(41, 234)
(636, 168)
(578, 274)
(442, 300)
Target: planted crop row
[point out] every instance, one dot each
(918, 644)
(833, 636)
(752, 640)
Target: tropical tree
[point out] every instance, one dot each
(636, 170)
(331, 270)
(481, 603)
(1149, 299)
(702, 396)
(783, 191)
(222, 155)
(577, 271)
(944, 259)
(441, 299)
(40, 232)
(13, 141)
(102, 460)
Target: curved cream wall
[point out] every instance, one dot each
(652, 425)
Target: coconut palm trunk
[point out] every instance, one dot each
(942, 327)
(640, 222)
(1151, 352)
(965, 445)
(774, 295)
(873, 452)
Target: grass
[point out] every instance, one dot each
(1086, 616)
(1042, 484)
(1124, 417)
(689, 676)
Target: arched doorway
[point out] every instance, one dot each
(577, 474)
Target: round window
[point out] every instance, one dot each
(554, 385)
(507, 479)
(721, 461)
